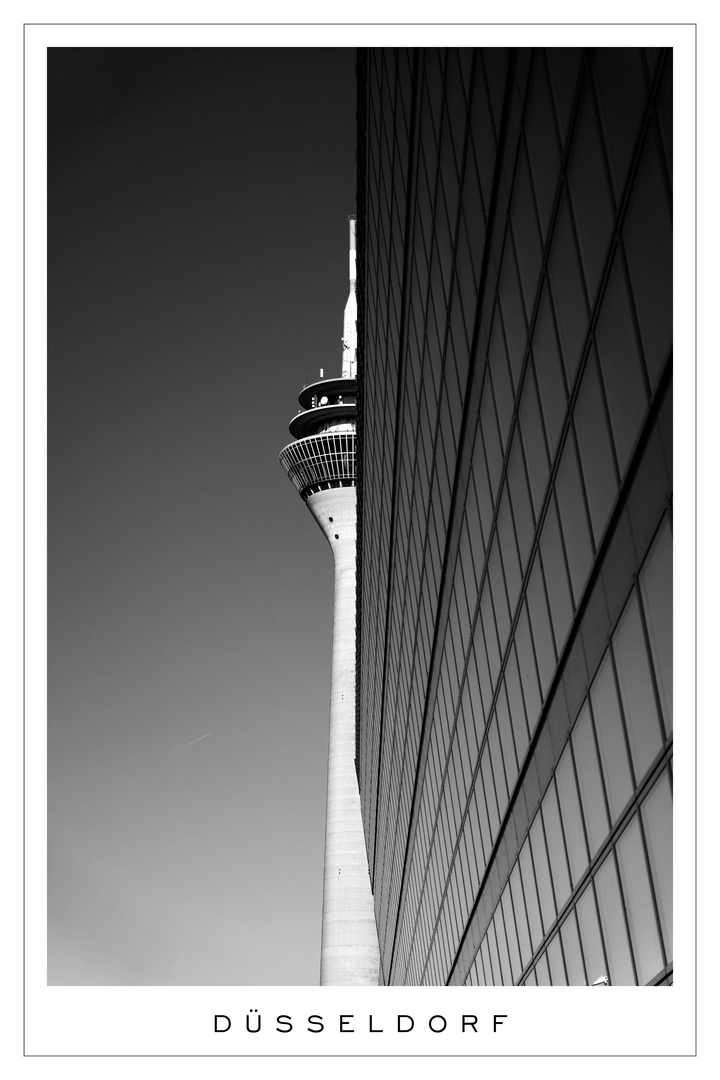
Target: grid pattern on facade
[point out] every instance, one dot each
(515, 648)
(320, 459)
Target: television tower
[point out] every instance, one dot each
(321, 465)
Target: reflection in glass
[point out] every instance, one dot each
(591, 791)
(533, 439)
(490, 979)
(531, 899)
(657, 819)
(556, 847)
(542, 971)
(542, 872)
(551, 382)
(573, 517)
(612, 920)
(495, 958)
(611, 738)
(520, 915)
(636, 689)
(567, 291)
(526, 665)
(639, 903)
(573, 952)
(517, 707)
(591, 199)
(621, 365)
(571, 815)
(595, 963)
(499, 926)
(555, 959)
(512, 940)
(596, 455)
(558, 588)
(647, 233)
(656, 584)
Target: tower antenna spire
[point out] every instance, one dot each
(349, 360)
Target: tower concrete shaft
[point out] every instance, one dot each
(349, 949)
(321, 464)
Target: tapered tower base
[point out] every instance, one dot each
(349, 954)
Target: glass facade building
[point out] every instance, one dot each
(514, 639)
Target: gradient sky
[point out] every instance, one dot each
(197, 254)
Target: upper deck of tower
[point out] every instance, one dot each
(329, 404)
(323, 454)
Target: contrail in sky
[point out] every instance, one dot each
(193, 741)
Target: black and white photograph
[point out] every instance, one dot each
(360, 533)
(487, 449)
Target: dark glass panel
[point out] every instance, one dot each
(497, 767)
(612, 920)
(487, 967)
(542, 872)
(502, 384)
(564, 67)
(531, 897)
(526, 230)
(489, 792)
(573, 952)
(621, 365)
(494, 956)
(571, 815)
(517, 706)
(639, 904)
(636, 689)
(508, 550)
(513, 315)
(664, 108)
(595, 963)
(548, 369)
(471, 246)
(556, 847)
(541, 628)
(657, 817)
(472, 707)
(622, 93)
(526, 667)
(656, 584)
(512, 940)
(611, 739)
(487, 620)
(499, 596)
(531, 426)
(588, 774)
(483, 672)
(556, 578)
(494, 61)
(491, 437)
(506, 738)
(567, 291)
(542, 971)
(596, 456)
(521, 922)
(499, 926)
(474, 535)
(573, 517)
(555, 959)
(542, 143)
(520, 495)
(590, 193)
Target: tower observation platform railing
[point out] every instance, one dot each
(321, 461)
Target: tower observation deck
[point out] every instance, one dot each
(321, 463)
